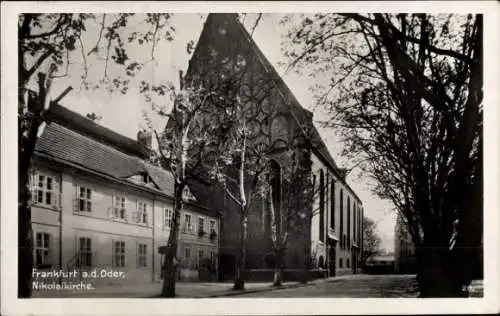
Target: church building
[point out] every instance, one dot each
(330, 240)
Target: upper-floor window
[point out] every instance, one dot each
(332, 206)
(321, 206)
(45, 190)
(141, 216)
(119, 207)
(201, 225)
(212, 227)
(188, 227)
(342, 242)
(42, 250)
(84, 199)
(119, 254)
(168, 219)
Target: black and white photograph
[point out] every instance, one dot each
(249, 152)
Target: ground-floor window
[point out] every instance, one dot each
(85, 252)
(119, 254)
(341, 264)
(142, 255)
(200, 257)
(42, 250)
(187, 257)
(347, 263)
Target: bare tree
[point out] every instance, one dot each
(175, 153)
(406, 97)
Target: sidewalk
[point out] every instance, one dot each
(183, 289)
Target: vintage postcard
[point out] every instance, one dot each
(321, 158)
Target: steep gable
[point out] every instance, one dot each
(228, 25)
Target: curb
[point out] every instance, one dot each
(272, 288)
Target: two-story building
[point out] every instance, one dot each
(98, 204)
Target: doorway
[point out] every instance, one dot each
(332, 259)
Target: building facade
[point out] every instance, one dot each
(98, 204)
(330, 237)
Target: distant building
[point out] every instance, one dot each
(332, 240)
(98, 204)
(383, 264)
(405, 256)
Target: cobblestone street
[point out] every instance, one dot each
(357, 286)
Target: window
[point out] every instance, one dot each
(212, 227)
(200, 256)
(348, 244)
(332, 206)
(142, 255)
(354, 222)
(42, 250)
(145, 178)
(187, 257)
(119, 254)
(341, 263)
(84, 200)
(321, 206)
(119, 209)
(201, 225)
(347, 263)
(45, 191)
(212, 257)
(342, 241)
(85, 252)
(168, 219)
(141, 216)
(187, 223)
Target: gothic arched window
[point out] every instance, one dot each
(322, 206)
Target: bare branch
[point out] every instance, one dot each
(96, 46)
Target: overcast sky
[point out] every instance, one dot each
(124, 113)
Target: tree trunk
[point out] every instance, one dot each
(27, 137)
(436, 274)
(239, 280)
(170, 266)
(278, 270)
(25, 236)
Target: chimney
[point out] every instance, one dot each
(145, 138)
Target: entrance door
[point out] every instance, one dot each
(332, 259)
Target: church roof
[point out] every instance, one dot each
(300, 114)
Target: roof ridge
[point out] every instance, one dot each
(106, 146)
(76, 122)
